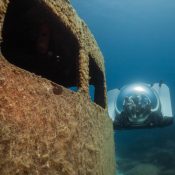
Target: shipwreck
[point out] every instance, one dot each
(49, 124)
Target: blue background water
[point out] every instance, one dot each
(137, 38)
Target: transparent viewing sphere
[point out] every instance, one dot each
(138, 100)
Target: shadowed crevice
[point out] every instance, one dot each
(34, 39)
(97, 80)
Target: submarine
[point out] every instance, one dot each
(140, 105)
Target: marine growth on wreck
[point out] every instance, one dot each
(45, 127)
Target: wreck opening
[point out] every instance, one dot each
(36, 40)
(97, 84)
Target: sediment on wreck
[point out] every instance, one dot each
(45, 127)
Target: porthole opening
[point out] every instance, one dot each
(96, 84)
(35, 39)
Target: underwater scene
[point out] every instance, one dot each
(137, 39)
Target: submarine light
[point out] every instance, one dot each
(139, 89)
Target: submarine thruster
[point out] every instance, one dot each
(140, 105)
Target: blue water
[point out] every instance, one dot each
(137, 38)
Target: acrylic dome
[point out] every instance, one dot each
(143, 92)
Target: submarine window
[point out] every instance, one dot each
(36, 40)
(96, 88)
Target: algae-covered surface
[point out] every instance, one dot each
(45, 127)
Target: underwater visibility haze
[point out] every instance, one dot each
(137, 39)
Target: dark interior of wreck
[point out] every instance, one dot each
(35, 40)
